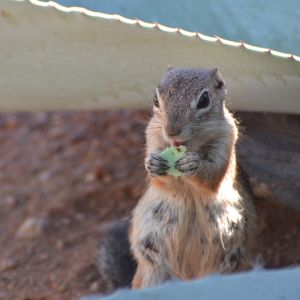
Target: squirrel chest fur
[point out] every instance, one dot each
(201, 222)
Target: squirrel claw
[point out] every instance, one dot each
(188, 164)
(156, 165)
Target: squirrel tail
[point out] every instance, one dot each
(115, 261)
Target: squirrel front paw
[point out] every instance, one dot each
(156, 165)
(188, 164)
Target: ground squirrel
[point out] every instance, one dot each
(203, 221)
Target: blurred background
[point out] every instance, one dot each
(65, 175)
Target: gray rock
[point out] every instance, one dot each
(10, 201)
(94, 287)
(32, 228)
(269, 151)
(8, 264)
(59, 245)
(3, 295)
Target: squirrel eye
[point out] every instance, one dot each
(203, 101)
(155, 101)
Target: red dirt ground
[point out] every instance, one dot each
(78, 171)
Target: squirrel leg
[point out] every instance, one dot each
(147, 275)
(137, 279)
(209, 166)
(235, 260)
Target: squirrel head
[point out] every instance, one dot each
(189, 103)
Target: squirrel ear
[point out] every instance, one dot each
(217, 78)
(157, 93)
(169, 68)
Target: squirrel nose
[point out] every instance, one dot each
(173, 131)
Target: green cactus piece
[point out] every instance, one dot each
(172, 155)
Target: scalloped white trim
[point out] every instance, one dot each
(163, 28)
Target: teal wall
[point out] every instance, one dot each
(274, 24)
(280, 284)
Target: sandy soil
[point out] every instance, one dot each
(68, 174)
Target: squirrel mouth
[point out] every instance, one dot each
(178, 143)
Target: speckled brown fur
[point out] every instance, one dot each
(203, 221)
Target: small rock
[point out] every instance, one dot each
(44, 176)
(32, 228)
(62, 288)
(10, 201)
(79, 217)
(3, 295)
(56, 132)
(107, 178)
(261, 189)
(53, 277)
(66, 221)
(60, 244)
(43, 257)
(11, 286)
(11, 122)
(41, 117)
(100, 171)
(8, 264)
(90, 177)
(94, 287)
